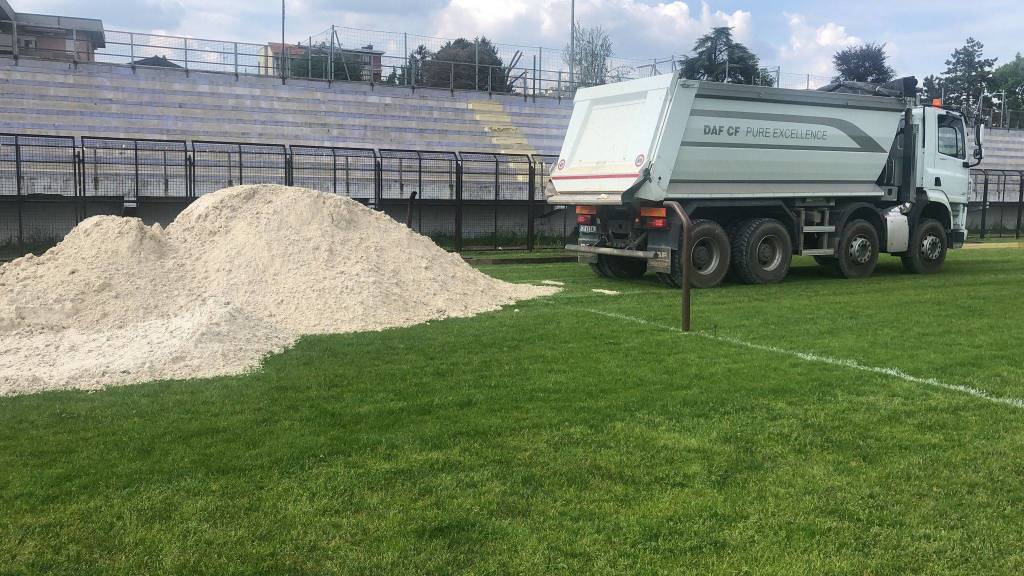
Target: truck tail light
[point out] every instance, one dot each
(586, 210)
(584, 219)
(653, 218)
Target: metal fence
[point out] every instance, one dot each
(996, 203)
(463, 201)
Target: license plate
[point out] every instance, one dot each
(588, 229)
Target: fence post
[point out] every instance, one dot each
(530, 196)
(535, 78)
(190, 175)
(309, 59)
(458, 204)
(526, 86)
(378, 176)
(289, 166)
(489, 70)
(451, 78)
(497, 196)
(334, 170)
(984, 207)
(236, 60)
(131, 50)
(331, 56)
(1020, 202)
(18, 191)
(14, 45)
(240, 174)
(476, 67)
(559, 89)
(136, 154)
(185, 41)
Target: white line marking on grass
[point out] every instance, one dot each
(832, 361)
(605, 292)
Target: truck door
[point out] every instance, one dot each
(946, 171)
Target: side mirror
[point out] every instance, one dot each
(978, 134)
(977, 153)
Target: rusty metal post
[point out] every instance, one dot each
(684, 260)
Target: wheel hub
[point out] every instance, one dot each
(860, 250)
(931, 247)
(704, 256)
(769, 255)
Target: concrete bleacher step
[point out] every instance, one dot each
(104, 100)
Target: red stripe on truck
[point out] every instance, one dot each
(594, 176)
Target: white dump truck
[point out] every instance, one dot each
(764, 173)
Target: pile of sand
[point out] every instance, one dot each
(242, 272)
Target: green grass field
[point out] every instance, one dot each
(575, 434)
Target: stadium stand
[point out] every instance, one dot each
(114, 101)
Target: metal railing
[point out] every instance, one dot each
(326, 59)
(996, 204)
(468, 200)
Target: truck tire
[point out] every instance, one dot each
(927, 248)
(600, 269)
(858, 250)
(762, 251)
(709, 257)
(624, 268)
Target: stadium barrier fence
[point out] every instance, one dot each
(463, 200)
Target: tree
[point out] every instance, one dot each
(931, 88)
(864, 63)
(716, 56)
(592, 55)
(1009, 78)
(315, 62)
(459, 64)
(967, 76)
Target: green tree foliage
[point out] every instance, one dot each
(931, 88)
(1009, 78)
(460, 63)
(864, 63)
(716, 56)
(315, 62)
(967, 76)
(590, 62)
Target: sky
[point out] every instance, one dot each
(799, 36)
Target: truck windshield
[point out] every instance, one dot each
(951, 136)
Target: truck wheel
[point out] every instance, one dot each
(624, 268)
(858, 250)
(709, 257)
(927, 249)
(762, 251)
(599, 269)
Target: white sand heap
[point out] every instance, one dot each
(240, 273)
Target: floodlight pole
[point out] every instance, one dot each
(572, 43)
(283, 49)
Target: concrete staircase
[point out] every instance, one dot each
(114, 101)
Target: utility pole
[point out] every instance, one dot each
(572, 43)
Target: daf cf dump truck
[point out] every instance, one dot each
(764, 174)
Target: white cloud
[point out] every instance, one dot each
(637, 29)
(810, 48)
